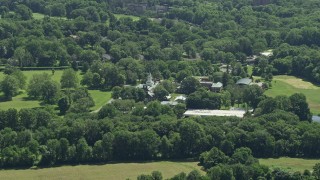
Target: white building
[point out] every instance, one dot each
(203, 112)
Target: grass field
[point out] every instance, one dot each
(21, 101)
(41, 16)
(290, 164)
(134, 18)
(119, 171)
(100, 98)
(288, 85)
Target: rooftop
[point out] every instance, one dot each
(170, 103)
(202, 112)
(181, 97)
(217, 85)
(244, 81)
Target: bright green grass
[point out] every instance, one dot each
(290, 164)
(250, 69)
(100, 98)
(18, 102)
(118, 171)
(21, 101)
(41, 16)
(118, 16)
(134, 18)
(288, 85)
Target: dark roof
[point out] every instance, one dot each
(244, 81)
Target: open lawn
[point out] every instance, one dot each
(41, 16)
(288, 85)
(290, 164)
(100, 98)
(119, 171)
(21, 101)
(18, 102)
(134, 18)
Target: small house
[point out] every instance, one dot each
(217, 87)
(244, 82)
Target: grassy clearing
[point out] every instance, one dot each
(290, 164)
(21, 101)
(18, 102)
(41, 16)
(134, 18)
(117, 171)
(250, 69)
(100, 98)
(288, 85)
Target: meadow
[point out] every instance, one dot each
(116, 171)
(41, 16)
(21, 101)
(134, 18)
(288, 85)
(290, 164)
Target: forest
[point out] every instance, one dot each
(116, 46)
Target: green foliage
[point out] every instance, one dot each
(69, 79)
(189, 85)
(10, 86)
(213, 158)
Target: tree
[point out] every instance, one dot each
(107, 110)
(36, 83)
(27, 118)
(316, 171)
(161, 93)
(84, 151)
(50, 91)
(10, 87)
(24, 12)
(300, 107)
(252, 95)
(268, 105)
(64, 105)
(189, 85)
(213, 158)
(69, 79)
(191, 135)
(20, 77)
(156, 175)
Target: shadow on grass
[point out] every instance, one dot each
(103, 163)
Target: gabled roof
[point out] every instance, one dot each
(217, 85)
(244, 81)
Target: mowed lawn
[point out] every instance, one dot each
(21, 101)
(41, 16)
(134, 18)
(288, 85)
(290, 164)
(119, 171)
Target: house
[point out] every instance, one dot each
(169, 103)
(217, 87)
(149, 86)
(205, 82)
(244, 82)
(204, 113)
(251, 60)
(180, 98)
